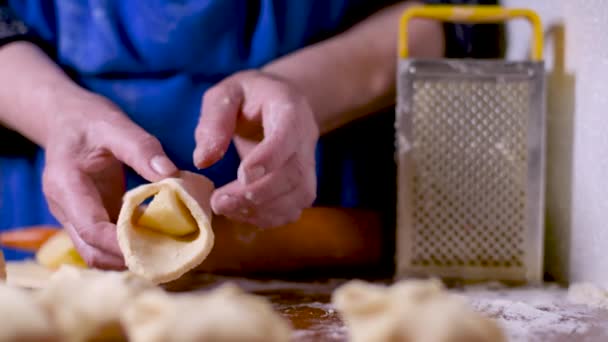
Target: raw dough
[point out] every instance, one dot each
(225, 314)
(59, 250)
(2, 267)
(588, 294)
(21, 319)
(86, 303)
(158, 256)
(27, 274)
(411, 311)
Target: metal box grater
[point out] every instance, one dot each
(470, 155)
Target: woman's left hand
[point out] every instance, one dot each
(275, 133)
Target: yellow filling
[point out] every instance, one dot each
(167, 214)
(59, 250)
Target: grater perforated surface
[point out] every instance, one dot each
(470, 181)
(469, 171)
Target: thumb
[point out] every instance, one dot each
(221, 106)
(137, 149)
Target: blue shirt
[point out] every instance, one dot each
(155, 59)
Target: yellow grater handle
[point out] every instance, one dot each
(472, 14)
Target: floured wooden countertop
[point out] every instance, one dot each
(526, 314)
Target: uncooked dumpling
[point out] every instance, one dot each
(173, 233)
(411, 311)
(2, 267)
(21, 319)
(588, 294)
(86, 303)
(225, 314)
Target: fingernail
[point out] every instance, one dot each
(252, 175)
(163, 166)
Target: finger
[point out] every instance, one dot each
(74, 195)
(281, 140)
(111, 185)
(221, 106)
(294, 181)
(283, 180)
(91, 255)
(56, 210)
(226, 201)
(285, 209)
(136, 148)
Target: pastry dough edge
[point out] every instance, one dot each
(201, 213)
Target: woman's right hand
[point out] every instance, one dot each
(88, 141)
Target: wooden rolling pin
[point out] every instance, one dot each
(2, 267)
(322, 238)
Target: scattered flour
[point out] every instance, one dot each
(525, 322)
(531, 314)
(332, 333)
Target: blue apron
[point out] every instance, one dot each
(156, 58)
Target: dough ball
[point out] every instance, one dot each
(173, 234)
(21, 318)
(86, 303)
(225, 314)
(2, 267)
(411, 311)
(588, 294)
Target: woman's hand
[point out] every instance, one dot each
(89, 139)
(275, 133)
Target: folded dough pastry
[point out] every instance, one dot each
(225, 314)
(411, 311)
(87, 303)
(170, 236)
(21, 318)
(2, 267)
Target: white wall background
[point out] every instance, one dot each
(577, 113)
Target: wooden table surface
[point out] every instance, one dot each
(526, 314)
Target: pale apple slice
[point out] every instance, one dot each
(59, 250)
(168, 214)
